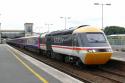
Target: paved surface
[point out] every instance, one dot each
(12, 71)
(16, 67)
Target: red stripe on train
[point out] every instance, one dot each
(69, 47)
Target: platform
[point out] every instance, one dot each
(118, 55)
(16, 67)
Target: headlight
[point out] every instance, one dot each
(109, 50)
(91, 50)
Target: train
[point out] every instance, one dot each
(83, 44)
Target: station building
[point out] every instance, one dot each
(10, 34)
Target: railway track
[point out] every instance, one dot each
(112, 72)
(108, 74)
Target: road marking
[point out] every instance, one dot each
(62, 77)
(29, 68)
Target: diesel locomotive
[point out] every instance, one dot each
(83, 44)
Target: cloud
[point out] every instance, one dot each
(14, 13)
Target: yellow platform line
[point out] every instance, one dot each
(29, 68)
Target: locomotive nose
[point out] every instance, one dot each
(97, 57)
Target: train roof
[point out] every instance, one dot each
(24, 37)
(87, 29)
(30, 36)
(66, 31)
(43, 34)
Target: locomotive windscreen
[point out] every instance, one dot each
(95, 38)
(92, 39)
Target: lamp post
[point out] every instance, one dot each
(65, 19)
(0, 33)
(102, 4)
(48, 25)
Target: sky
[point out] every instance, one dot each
(14, 13)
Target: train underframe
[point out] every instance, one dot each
(50, 54)
(62, 57)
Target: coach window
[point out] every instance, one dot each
(67, 40)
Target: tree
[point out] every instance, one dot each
(114, 30)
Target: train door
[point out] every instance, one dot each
(48, 43)
(74, 45)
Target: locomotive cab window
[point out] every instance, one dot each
(95, 38)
